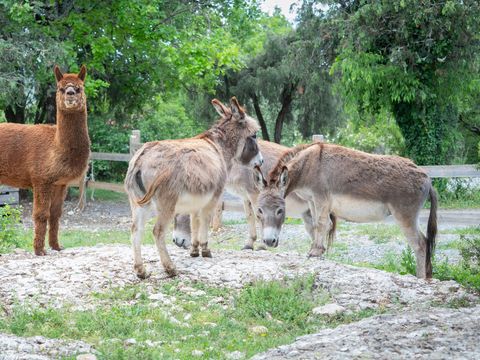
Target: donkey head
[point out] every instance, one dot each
(70, 90)
(181, 231)
(241, 132)
(271, 204)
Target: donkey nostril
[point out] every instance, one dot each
(174, 240)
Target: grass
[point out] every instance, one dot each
(100, 195)
(379, 233)
(217, 322)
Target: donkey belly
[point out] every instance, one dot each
(188, 203)
(358, 210)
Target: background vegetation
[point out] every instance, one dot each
(382, 76)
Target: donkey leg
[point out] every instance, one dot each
(140, 216)
(217, 216)
(41, 212)
(416, 240)
(308, 223)
(163, 221)
(252, 229)
(321, 227)
(56, 207)
(194, 226)
(204, 220)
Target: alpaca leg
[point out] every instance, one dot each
(163, 221)
(56, 206)
(194, 226)
(41, 212)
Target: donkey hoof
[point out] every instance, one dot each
(207, 253)
(316, 253)
(247, 247)
(143, 275)
(194, 253)
(40, 252)
(171, 271)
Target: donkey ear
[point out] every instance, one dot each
(237, 110)
(58, 73)
(222, 110)
(83, 73)
(258, 178)
(283, 181)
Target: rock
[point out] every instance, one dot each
(86, 357)
(328, 310)
(258, 330)
(197, 353)
(235, 355)
(129, 342)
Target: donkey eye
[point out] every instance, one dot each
(260, 211)
(279, 212)
(254, 136)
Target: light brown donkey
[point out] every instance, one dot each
(354, 186)
(187, 176)
(46, 158)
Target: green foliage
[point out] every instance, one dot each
(215, 329)
(10, 229)
(413, 59)
(457, 193)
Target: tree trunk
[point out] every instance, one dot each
(260, 118)
(15, 114)
(286, 98)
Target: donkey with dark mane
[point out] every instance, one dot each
(351, 185)
(47, 158)
(187, 176)
(241, 183)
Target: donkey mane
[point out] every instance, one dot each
(288, 155)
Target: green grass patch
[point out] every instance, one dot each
(100, 195)
(379, 233)
(215, 327)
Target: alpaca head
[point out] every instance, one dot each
(70, 91)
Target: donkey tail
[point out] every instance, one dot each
(331, 232)
(431, 232)
(153, 188)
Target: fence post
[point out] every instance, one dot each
(318, 138)
(134, 141)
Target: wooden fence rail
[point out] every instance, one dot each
(437, 171)
(434, 171)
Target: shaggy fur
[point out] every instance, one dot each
(356, 186)
(46, 158)
(241, 183)
(186, 176)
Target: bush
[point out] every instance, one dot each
(10, 237)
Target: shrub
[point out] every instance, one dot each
(10, 236)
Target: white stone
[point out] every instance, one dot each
(328, 309)
(258, 330)
(197, 353)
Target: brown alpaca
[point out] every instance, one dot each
(46, 158)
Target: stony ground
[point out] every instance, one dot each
(419, 322)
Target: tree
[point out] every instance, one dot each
(414, 59)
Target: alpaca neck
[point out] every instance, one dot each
(72, 132)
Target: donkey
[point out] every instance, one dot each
(354, 186)
(241, 183)
(46, 158)
(187, 176)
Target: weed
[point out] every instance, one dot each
(10, 229)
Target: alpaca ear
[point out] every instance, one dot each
(283, 181)
(222, 110)
(258, 179)
(83, 73)
(237, 110)
(58, 73)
